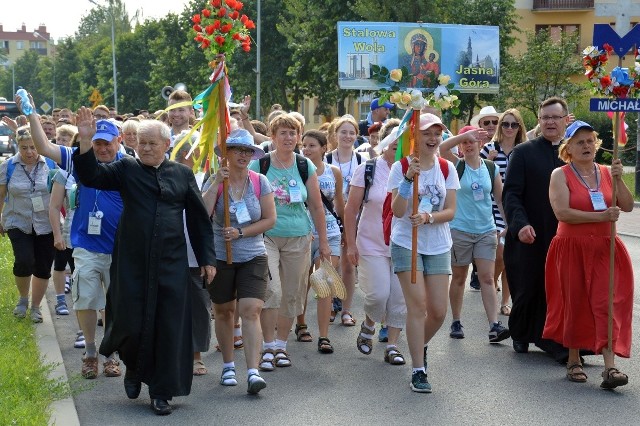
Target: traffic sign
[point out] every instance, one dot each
(45, 107)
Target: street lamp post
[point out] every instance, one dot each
(113, 50)
(53, 50)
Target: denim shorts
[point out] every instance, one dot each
(334, 244)
(428, 264)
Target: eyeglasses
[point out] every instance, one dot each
(100, 116)
(487, 122)
(513, 124)
(243, 151)
(552, 117)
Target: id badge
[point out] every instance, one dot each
(38, 204)
(597, 200)
(242, 213)
(425, 205)
(95, 223)
(295, 193)
(478, 193)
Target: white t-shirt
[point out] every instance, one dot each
(432, 238)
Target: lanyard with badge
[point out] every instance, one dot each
(239, 207)
(295, 192)
(36, 200)
(597, 198)
(476, 188)
(95, 218)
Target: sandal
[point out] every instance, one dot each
(281, 358)
(324, 345)
(347, 319)
(199, 368)
(575, 373)
(237, 342)
(302, 334)
(613, 378)
(364, 344)
(266, 360)
(393, 356)
(505, 310)
(335, 308)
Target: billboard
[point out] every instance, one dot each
(469, 54)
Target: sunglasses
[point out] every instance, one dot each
(243, 151)
(513, 125)
(487, 122)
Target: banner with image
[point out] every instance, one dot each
(469, 54)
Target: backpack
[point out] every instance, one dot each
(301, 162)
(255, 181)
(11, 166)
(387, 213)
(369, 173)
(491, 166)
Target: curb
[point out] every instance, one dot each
(63, 412)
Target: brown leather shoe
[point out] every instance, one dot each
(112, 368)
(90, 367)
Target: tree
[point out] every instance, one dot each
(543, 70)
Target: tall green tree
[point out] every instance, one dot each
(543, 70)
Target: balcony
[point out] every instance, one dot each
(41, 50)
(556, 5)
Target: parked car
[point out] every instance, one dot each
(7, 141)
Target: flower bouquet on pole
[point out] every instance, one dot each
(220, 29)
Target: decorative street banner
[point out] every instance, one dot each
(615, 104)
(470, 54)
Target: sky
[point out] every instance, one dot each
(62, 17)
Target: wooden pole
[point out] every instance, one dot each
(414, 230)
(222, 142)
(612, 245)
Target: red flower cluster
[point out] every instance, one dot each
(220, 28)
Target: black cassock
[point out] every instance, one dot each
(526, 202)
(148, 312)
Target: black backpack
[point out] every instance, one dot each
(301, 162)
(491, 166)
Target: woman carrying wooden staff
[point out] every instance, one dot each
(577, 268)
(427, 299)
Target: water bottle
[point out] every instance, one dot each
(27, 108)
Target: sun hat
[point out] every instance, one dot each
(488, 111)
(242, 139)
(575, 126)
(106, 131)
(326, 281)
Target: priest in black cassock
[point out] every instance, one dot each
(531, 227)
(148, 312)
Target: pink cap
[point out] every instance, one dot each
(466, 129)
(427, 120)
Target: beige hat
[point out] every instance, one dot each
(326, 281)
(487, 111)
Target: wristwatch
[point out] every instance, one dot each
(240, 234)
(431, 218)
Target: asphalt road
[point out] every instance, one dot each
(473, 383)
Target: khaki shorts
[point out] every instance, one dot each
(467, 247)
(289, 262)
(90, 279)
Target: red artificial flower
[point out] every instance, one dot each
(244, 19)
(234, 14)
(231, 3)
(209, 29)
(196, 19)
(216, 24)
(607, 47)
(236, 36)
(215, 3)
(246, 47)
(603, 58)
(249, 24)
(589, 74)
(220, 40)
(206, 13)
(197, 28)
(199, 38)
(226, 28)
(205, 43)
(621, 91)
(605, 81)
(239, 5)
(222, 12)
(637, 84)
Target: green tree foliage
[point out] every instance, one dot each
(543, 70)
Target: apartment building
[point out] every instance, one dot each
(13, 44)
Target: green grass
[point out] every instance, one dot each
(630, 180)
(25, 388)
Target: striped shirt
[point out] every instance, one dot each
(501, 161)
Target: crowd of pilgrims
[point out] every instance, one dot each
(529, 212)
